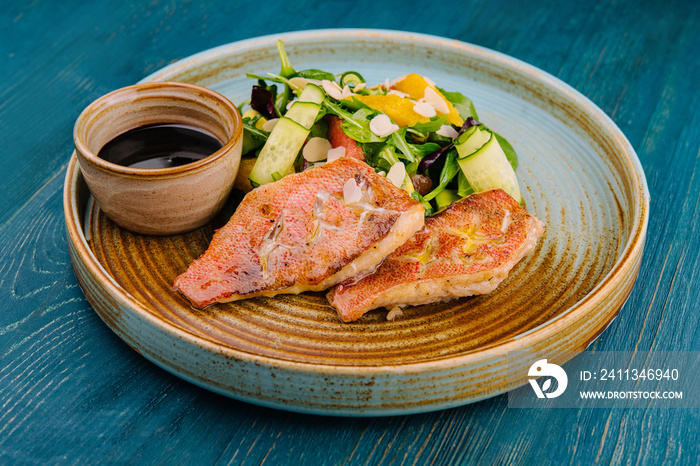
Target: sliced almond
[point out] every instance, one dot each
(316, 149)
(299, 83)
(424, 109)
(396, 80)
(351, 192)
(332, 89)
(397, 174)
(270, 124)
(398, 93)
(382, 126)
(448, 131)
(346, 92)
(433, 98)
(335, 153)
(507, 220)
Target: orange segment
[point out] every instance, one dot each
(414, 85)
(399, 109)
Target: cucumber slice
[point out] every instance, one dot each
(279, 152)
(312, 93)
(465, 135)
(277, 156)
(471, 141)
(488, 168)
(351, 78)
(303, 113)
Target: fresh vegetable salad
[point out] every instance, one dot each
(426, 140)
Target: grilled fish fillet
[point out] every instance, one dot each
(465, 250)
(298, 234)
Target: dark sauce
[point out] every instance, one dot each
(160, 146)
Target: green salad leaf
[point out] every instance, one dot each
(463, 104)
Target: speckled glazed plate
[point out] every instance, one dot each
(578, 174)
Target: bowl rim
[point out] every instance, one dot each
(212, 96)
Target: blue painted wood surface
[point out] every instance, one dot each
(72, 392)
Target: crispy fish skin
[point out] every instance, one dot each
(467, 249)
(298, 234)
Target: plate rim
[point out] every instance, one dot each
(629, 253)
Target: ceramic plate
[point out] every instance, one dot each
(578, 174)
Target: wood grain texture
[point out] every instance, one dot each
(72, 392)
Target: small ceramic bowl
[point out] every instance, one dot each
(161, 201)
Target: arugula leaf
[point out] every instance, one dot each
(249, 126)
(412, 168)
(426, 204)
(270, 77)
(355, 125)
(360, 133)
(434, 124)
(412, 152)
(385, 158)
(287, 72)
(286, 69)
(253, 138)
(337, 109)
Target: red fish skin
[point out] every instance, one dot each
(459, 252)
(293, 235)
(338, 138)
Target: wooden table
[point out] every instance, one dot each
(72, 392)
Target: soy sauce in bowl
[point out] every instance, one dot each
(160, 146)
